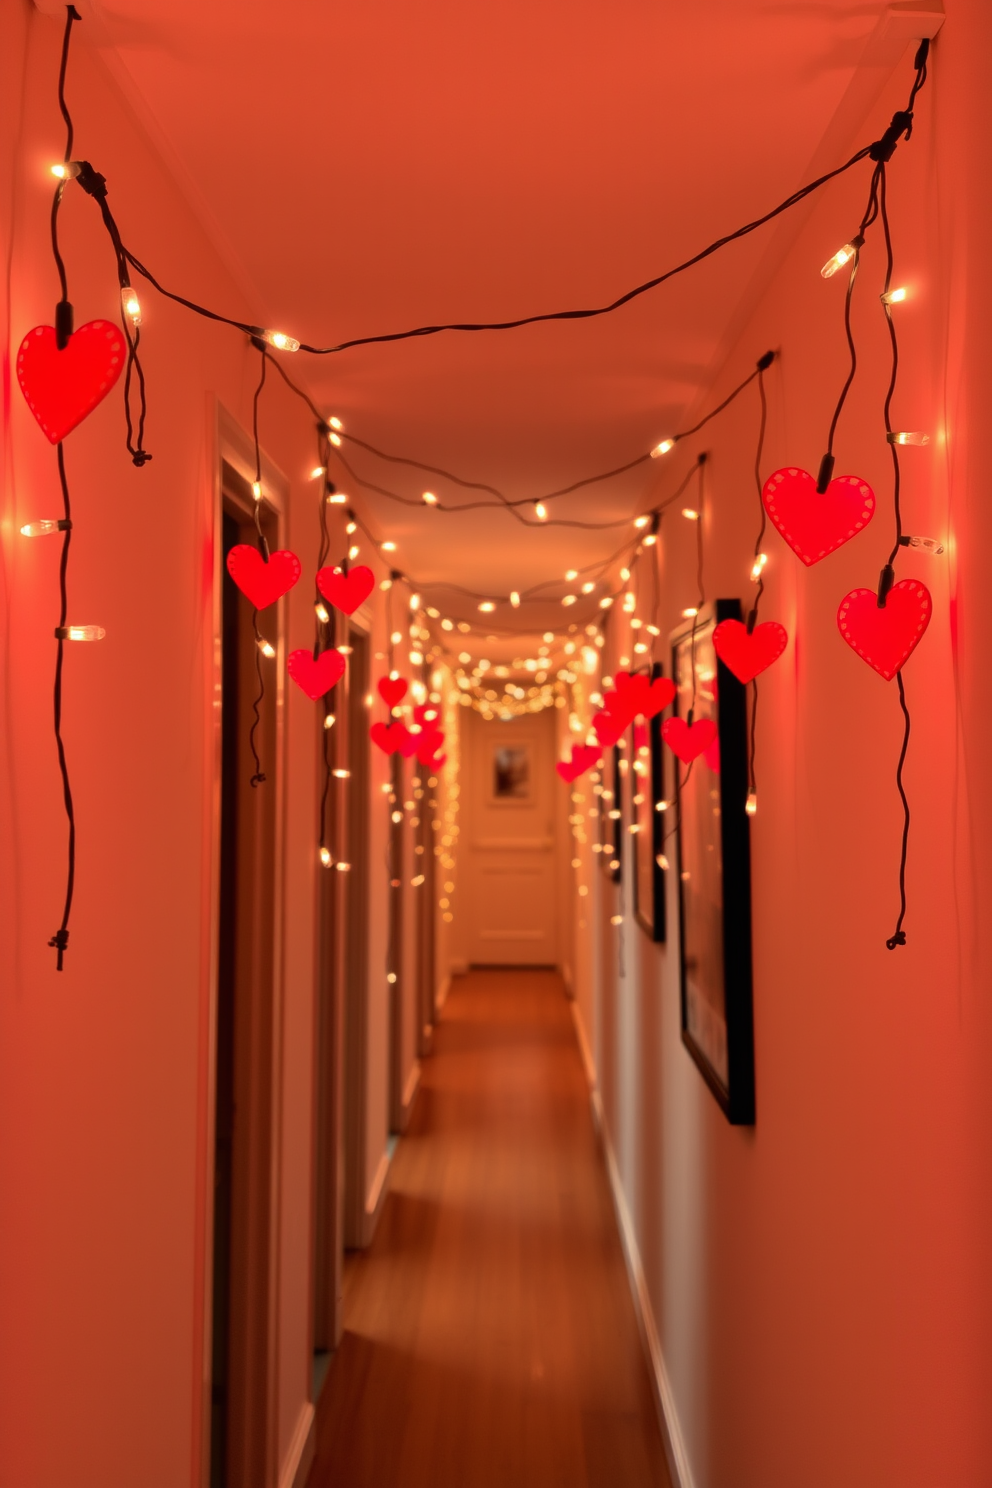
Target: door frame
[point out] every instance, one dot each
(226, 441)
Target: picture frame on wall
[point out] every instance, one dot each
(611, 827)
(713, 858)
(647, 789)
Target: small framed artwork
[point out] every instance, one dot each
(611, 815)
(647, 790)
(714, 868)
(512, 776)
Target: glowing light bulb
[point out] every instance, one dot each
(385, 584)
(345, 650)
(662, 861)
(605, 602)
(447, 625)
(343, 867)
(43, 528)
(131, 305)
(66, 171)
(388, 547)
(416, 658)
(329, 720)
(629, 603)
(391, 978)
(624, 575)
(662, 448)
(758, 567)
(80, 633)
(337, 498)
(926, 544)
(281, 341)
(396, 817)
(690, 514)
(569, 599)
(320, 610)
(335, 423)
(651, 539)
(395, 639)
(317, 472)
(515, 599)
(487, 606)
(894, 296)
(416, 881)
(334, 439)
(415, 601)
(353, 552)
(351, 527)
(641, 521)
(690, 612)
(615, 919)
(662, 805)
(256, 490)
(572, 573)
(325, 857)
(266, 648)
(430, 499)
(341, 774)
(909, 436)
(841, 257)
(540, 511)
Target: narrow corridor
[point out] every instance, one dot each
(490, 1337)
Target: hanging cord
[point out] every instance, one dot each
(258, 778)
(752, 618)
(887, 576)
(60, 939)
(701, 600)
(322, 637)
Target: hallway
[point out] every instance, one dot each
(490, 1337)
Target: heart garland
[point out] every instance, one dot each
(315, 677)
(62, 387)
(392, 690)
(428, 745)
(584, 756)
(886, 637)
(813, 524)
(608, 727)
(346, 591)
(263, 583)
(747, 655)
(636, 696)
(688, 740)
(388, 736)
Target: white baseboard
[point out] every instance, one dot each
(441, 995)
(299, 1458)
(410, 1094)
(376, 1196)
(584, 1049)
(675, 1449)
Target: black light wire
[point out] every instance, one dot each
(258, 776)
(321, 636)
(63, 330)
(752, 618)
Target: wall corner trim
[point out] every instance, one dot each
(441, 994)
(671, 1430)
(299, 1457)
(586, 1056)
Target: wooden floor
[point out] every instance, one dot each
(490, 1337)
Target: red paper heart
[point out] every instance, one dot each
(658, 696)
(688, 740)
(62, 387)
(392, 690)
(428, 745)
(388, 736)
(410, 742)
(584, 756)
(346, 591)
(315, 677)
(425, 713)
(608, 728)
(262, 582)
(815, 525)
(747, 655)
(886, 638)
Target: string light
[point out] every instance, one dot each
(266, 648)
(430, 499)
(841, 257)
(690, 514)
(641, 521)
(758, 566)
(690, 612)
(325, 857)
(908, 436)
(131, 305)
(540, 511)
(894, 296)
(353, 552)
(66, 170)
(388, 547)
(82, 633)
(415, 601)
(351, 527)
(751, 804)
(335, 423)
(924, 544)
(569, 599)
(45, 526)
(588, 587)
(337, 498)
(515, 599)
(256, 490)
(487, 606)
(317, 472)
(571, 575)
(341, 774)
(281, 341)
(343, 867)
(605, 602)
(329, 720)
(662, 448)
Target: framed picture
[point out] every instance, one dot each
(611, 815)
(647, 788)
(714, 868)
(511, 780)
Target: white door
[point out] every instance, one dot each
(508, 842)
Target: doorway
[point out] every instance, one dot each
(239, 1430)
(508, 852)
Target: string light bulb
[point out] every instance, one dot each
(540, 511)
(894, 296)
(43, 527)
(329, 720)
(662, 448)
(690, 613)
(335, 423)
(751, 804)
(662, 862)
(606, 602)
(341, 774)
(325, 857)
(317, 472)
(351, 527)
(569, 599)
(80, 633)
(353, 552)
(337, 498)
(388, 547)
(131, 305)
(266, 648)
(281, 341)
(588, 587)
(320, 610)
(641, 521)
(487, 606)
(415, 601)
(758, 567)
(690, 514)
(924, 544)
(909, 436)
(66, 170)
(429, 498)
(841, 257)
(515, 599)
(256, 490)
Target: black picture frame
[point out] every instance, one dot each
(714, 870)
(611, 828)
(646, 791)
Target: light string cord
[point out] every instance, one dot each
(887, 576)
(63, 330)
(258, 775)
(320, 636)
(752, 618)
(701, 599)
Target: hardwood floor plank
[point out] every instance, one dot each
(490, 1338)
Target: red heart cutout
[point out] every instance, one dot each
(428, 746)
(584, 756)
(62, 387)
(392, 690)
(815, 525)
(658, 696)
(608, 728)
(346, 591)
(886, 638)
(425, 713)
(747, 655)
(262, 582)
(388, 736)
(411, 742)
(315, 677)
(688, 740)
